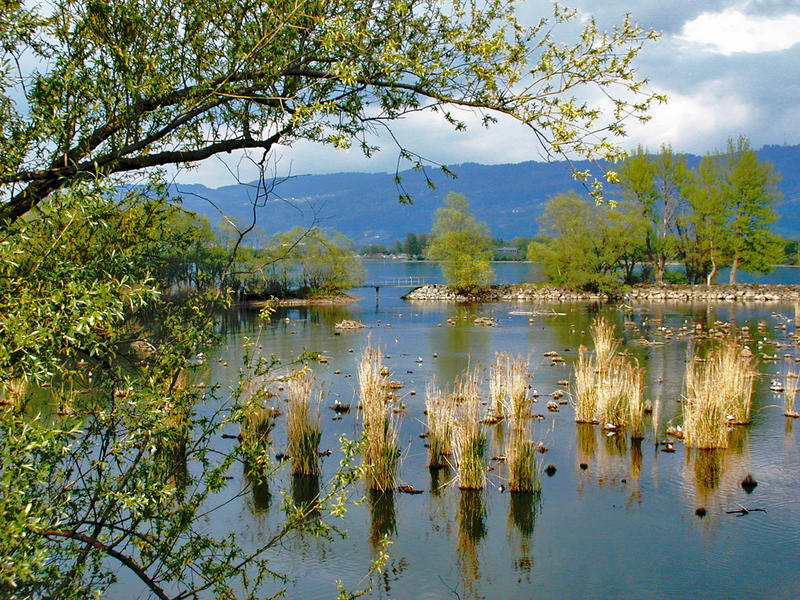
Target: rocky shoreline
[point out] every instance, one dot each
(743, 293)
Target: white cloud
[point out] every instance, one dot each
(731, 31)
(698, 123)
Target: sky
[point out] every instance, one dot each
(728, 67)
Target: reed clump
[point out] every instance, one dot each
(521, 458)
(439, 408)
(303, 423)
(497, 384)
(380, 450)
(718, 394)
(608, 387)
(256, 424)
(516, 386)
(469, 441)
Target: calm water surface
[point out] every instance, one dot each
(625, 527)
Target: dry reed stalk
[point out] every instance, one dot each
(521, 458)
(790, 388)
(735, 375)
(497, 384)
(619, 396)
(303, 423)
(469, 442)
(380, 451)
(605, 342)
(718, 394)
(634, 388)
(704, 422)
(608, 388)
(516, 386)
(439, 407)
(257, 423)
(585, 387)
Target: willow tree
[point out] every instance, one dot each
(750, 189)
(95, 94)
(657, 184)
(462, 244)
(91, 89)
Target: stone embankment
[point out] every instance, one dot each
(638, 293)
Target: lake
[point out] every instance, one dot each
(623, 527)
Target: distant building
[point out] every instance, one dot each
(508, 252)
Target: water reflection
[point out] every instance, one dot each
(459, 342)
(717, 475)
(471, 530)
(305, 495)
(523, 509)
(383, 519)
(260, 496)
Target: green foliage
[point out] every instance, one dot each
(462, 244)
(750, 190)
(123, 479)
(117, 86)
(588, 246)
(313, 260)
(716, 215)
(656, 184)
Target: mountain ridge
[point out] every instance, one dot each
(508, 197)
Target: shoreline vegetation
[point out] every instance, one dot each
(338, 299)
(768, 293)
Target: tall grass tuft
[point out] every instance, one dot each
(718, 393)
(790, 387)
(469, 442)
(516, 377)
(256, 424)
(606, 343)
(585, 387)
(497, 384)
(608, 388)
(303, 423)
(380, 450)
(439, 407)
(521, 458)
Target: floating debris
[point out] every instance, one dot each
(485, 322)
(348, 325)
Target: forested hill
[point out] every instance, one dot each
(365, 207)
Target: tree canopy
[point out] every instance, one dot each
(462, 244)
(586, 245)
(94, 88)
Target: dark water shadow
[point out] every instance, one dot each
(383, 518)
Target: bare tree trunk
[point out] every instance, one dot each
(734, 268)
(713, 272)
(660, 266)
